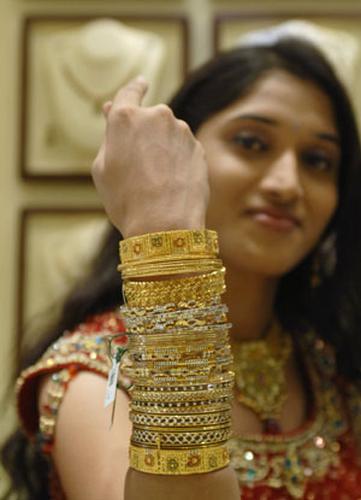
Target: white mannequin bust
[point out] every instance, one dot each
(85, 67)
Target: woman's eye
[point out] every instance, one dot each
(250, 142)
(318, 161)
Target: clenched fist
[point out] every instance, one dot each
(150, 171)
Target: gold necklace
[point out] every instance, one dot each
(259, 367)
(96, 99)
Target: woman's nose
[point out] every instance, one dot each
(281, 180)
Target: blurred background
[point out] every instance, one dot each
(60, 61)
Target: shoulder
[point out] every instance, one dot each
(61, 400)
(85, 349)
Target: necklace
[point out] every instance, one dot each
(96, 99)
(259, 367)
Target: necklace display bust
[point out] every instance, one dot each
(84, 67)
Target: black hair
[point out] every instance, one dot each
(333, 308)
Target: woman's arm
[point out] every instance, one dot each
(92, 460)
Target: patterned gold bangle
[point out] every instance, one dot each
(168, 243)
(217, 338)
(180, 439)
(177, 462)
(169, 268)
(183, 421)
(227, 383)
(163, 397)
(210, 314)
(183, 305)
(207, 406)
(155, 324)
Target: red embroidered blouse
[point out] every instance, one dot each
(318, 461)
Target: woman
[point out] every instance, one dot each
(275, 170)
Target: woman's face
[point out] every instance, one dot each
(273, 159)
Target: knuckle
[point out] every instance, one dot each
(163, 110)
(122, 113)
(183, 126)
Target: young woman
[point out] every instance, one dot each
(261, 146)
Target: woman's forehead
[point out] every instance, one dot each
(283, 97)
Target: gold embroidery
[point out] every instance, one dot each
(291, 461)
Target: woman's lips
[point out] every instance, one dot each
(274, 219)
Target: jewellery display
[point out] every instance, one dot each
(85, 92)
(260, 375)
(84, 67)
(179, 354)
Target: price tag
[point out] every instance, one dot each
(111, 389)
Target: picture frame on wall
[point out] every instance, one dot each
(339, 39)
(71, 65)
(56, 249)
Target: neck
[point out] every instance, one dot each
(250, 299)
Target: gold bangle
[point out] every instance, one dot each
(175, 439)
(169, 268)
(168, 243)
(183, 421)
(176, 462)
(210, 406)
(162, 397)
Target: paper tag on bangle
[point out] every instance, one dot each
(111, 388)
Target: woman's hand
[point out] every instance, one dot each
(150, 171)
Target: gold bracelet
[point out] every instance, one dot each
(191, 407)
(169, 269)
(162, 397)
(174, 462)
(169, 243)
(176, 438)
(183, 421)
(167, 307)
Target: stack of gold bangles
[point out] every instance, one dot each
(180, 358)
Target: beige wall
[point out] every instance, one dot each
(15, 193)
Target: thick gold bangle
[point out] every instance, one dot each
(168, 243)
(177, 462)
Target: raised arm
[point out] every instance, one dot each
(151, 174)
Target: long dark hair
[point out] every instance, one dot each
(333, 309)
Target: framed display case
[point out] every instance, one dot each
(71, 66)
(56, 248)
